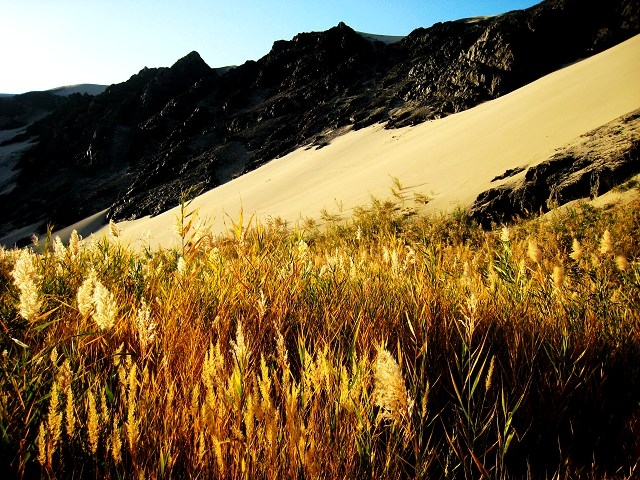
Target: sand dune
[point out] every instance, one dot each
(450, 160)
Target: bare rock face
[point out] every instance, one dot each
(587, 168)
(134, 148)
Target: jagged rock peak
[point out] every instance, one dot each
(191, 62)
(192, 58)
(339, 31)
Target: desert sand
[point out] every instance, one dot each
(450, 160)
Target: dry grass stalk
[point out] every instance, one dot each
(390, 393)
(27, 277)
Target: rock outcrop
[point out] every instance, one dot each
(587, 168)
(135, 148)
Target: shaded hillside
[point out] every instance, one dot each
(18, 111)
(137, 146)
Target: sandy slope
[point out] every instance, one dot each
(451, 160)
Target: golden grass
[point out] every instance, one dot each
(382, 347)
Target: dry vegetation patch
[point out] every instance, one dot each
(384, 347)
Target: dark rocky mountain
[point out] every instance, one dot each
(134, 148)
(17, 111)
(82, 88)
(21, 110)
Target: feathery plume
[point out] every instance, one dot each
(74, 243)
(54, 422)
(42, 445)
(85, 294)
(53, 356)
(26, 278)
(30, 301)
(106, 307)
(533, 251)
(262, 305)
(410, 258)
(145, 325)
(93, 423)
(489, 379)
(558, 275)
(505, 234)
(394, 261)
(576, 250)
(622, 263)
(343, 387)
(116, 442)
(282, 358)
(249, 413)
(302, 249)
(114, 231)
(239, 347)
(606, 246)
(58, 248)
(69, 413)
(182, 266)
(117, 356)
(386, 255)
(64, 376)
(131, 424)
(389, 392)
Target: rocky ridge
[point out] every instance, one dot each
(136, 147)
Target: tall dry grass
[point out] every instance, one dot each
(386, 346)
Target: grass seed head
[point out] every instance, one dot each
(145, 326)
(390, 393)
(622, 263)
(70, 417)
(606, 245)
(217, 449)
(42, 445)
(54, 422)
(106, 307)
(533, 251)
(182, 266)
(116, 443)
(26, 277)
(85, 294)
(93, 423)
(114, 230)
(64, 376)
(576, 250)
(505, 234)
(59, 248)
(489, 379)
(74, 243)
(558, 275)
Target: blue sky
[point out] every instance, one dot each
(50, 43)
